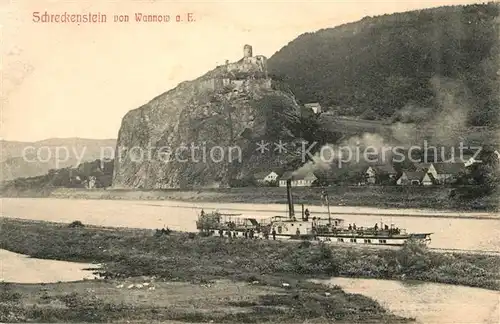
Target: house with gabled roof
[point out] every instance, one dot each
(442, 172)
(266, 177)
(302, 179)
(373, 171)
(315, 106)
(471, 161)
(416, 178)
(413, 178)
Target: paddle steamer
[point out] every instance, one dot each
(305, 228)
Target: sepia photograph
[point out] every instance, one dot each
(234, 161)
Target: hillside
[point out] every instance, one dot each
(431, 66)
(29, 159)
(90, 175)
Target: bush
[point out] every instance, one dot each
(7, 295)
(76, 224)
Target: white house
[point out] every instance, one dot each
(468, 159)
(446, 172)
(315, 106)
(428, 180)
(266, 177)
(470, 162)
(443, 172)
(305, 179)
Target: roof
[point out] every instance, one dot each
(443, 167)
(449, 168)
(414, 175)
(304, 176)
(383, 168)
(263, 174)
(422, 166)
(312, 104)
(431, 177)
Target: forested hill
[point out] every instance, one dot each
(400, 65)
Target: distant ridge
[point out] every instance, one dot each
(14, 165)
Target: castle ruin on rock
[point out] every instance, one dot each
(239, 76)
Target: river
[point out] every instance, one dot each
(20, 268)
(450, 230)
(428, 303)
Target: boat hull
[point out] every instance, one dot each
(395, 240)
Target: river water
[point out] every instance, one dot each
(20, 268)
(428, 303)
(450, 230)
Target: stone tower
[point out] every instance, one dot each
(247, 51)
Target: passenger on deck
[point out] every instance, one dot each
(376, 227)
(274, 234)
(306, 213)
(221, 233)
(251, 233)
(386, 227)
(298, 232)
(202, 213)
(354, 226)
(246, 234)
(350, 227)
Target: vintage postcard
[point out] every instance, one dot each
(250, 161)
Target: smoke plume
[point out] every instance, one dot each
(444, 125)
(348, 151)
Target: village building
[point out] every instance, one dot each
(415, 178)
(266, 177)
(410, 178)
(471, 161)
(443, 173)
(374, 172)
(303, 179)
(315, 106)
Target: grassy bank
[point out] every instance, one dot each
(368, 196)
(222, 301)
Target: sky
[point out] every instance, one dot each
(69, 80)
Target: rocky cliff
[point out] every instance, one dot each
(203, 133)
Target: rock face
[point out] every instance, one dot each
(203, 133)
